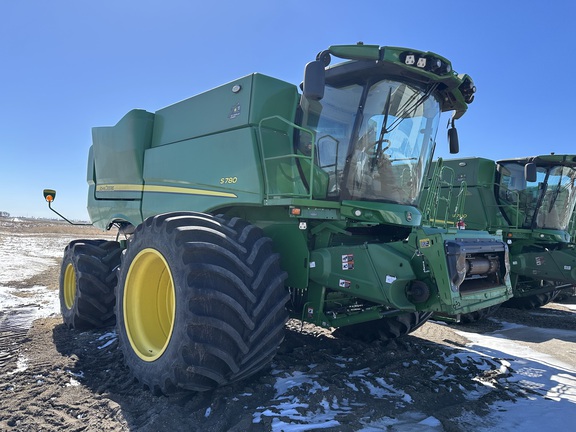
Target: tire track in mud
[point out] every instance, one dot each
(14, 326)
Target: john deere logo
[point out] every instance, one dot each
(234, 111)
(408, 216)
(425, 243)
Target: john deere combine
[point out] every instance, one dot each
(259, 200)
(530, 201)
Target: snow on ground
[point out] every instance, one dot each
(571, 307)
(39, 301)
(23, 256)
(550, 384)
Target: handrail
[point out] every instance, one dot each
(433, 190)
(460, 203)
(500, 207)
(267, 193)
(511, 219)
(434, 197)
(443, 178)
(448, 198)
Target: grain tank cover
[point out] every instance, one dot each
(240, 103)
(119, 155)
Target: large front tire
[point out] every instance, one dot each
(201, 302)
(87, 283)
(384, 329)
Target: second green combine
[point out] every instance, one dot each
(530, 202)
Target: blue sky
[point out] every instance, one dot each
(70, 65)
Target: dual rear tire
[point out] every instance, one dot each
(87, 283)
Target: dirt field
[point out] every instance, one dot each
(53, 378)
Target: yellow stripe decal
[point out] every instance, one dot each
(441, 221)
(161, 189)
(119, 188)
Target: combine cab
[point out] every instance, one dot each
(253, 202)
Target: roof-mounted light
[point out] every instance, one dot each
(467, 88)
(427, 62)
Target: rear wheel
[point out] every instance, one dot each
(201, 302)
(87, 283)
(532, 302)
(566, 294)
(384, 329)
(478, 315)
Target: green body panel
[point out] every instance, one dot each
(199, 154)
(367, 274)
(383, 213)
(537, 254)
(119, 154)
(481, 211)
(357, 269)
(380, 272)
(238, 104)
(198, 183)
(292, 245)
(103, 211)
(236, 150)
(468, 297)
(552, 265)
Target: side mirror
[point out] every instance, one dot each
(49, 195)
(314, 80)
(530, 172)
(453, 140)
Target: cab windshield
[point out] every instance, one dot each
(374, 140)
(546, 203)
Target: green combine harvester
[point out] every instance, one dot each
(530, 202)
(261, 200)
(567, 294)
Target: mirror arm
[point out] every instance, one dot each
(49, 195)
(70, 222)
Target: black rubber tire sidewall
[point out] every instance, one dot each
(532, 302)
(384, 329)
(176, 368)
(94, 264)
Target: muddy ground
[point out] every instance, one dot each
(53, 378)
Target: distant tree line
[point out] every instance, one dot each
(4, 214)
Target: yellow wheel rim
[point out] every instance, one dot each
(69, 286)
(149, 304)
